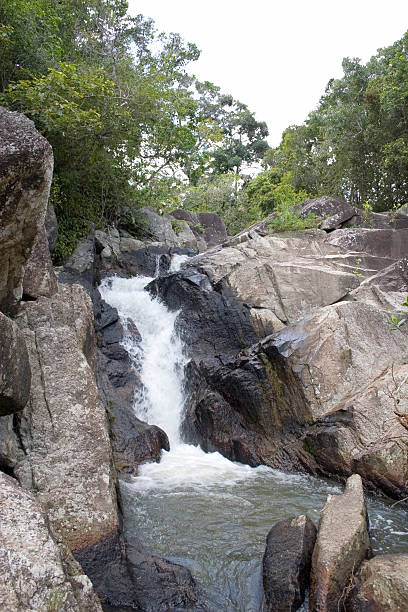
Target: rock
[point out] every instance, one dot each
(214, 228)
(129, 244)
(342, 544)
(132, 579)
(333, 211)
(387, 289)
(35, 573)
(26, 164)
(287, 276)
(194, 225)
(51, 227)
(63, 429)
(211, 321)
(159, 227)
(108, 240)
(349, 366)
(287, 562)
(381, 585)
(386, 243)
(39, 276)
(15, 373)
(9, 445)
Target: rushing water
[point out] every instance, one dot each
(200, 509)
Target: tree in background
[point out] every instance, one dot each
(355, 144)
(128, 124)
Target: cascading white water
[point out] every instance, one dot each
(160, 361)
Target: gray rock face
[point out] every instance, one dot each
(159, 227)
(15, 372)
(39, 276)
(63, 430)
(381, 585)
(51, 227)
(214, 229)
(26, 164)
(286, 277)
(36, 573)
(342, 544)
(287, 562)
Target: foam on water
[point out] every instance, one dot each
(160, 361)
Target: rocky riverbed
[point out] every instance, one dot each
(292, 362)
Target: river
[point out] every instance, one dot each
(200, 509)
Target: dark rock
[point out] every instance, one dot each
(133, 441)
(39, 276)
(212, 322)
(26, 164)
(286, 563)
(214, 228)
(126, 577)
(9, 445)
(15, 371)
(51, 227)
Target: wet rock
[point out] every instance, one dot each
(26, 164)
(15, 372)
(126, 577)
(133, 441)
(39, 276)
(212, 322)
(63, 429)
(36, 574)
(287, 562)
(381, 585)
(342, 544)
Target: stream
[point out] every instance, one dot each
(200, 509)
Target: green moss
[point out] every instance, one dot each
(309, 446)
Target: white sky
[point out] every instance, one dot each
(277, 57)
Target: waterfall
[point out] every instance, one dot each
(160, 361)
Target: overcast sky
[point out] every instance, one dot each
(277, 57)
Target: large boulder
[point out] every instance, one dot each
(381, 585)
(39, 276)
(63, 430)
(342, 544)
(26, 164)
(15, 372)
(285, 277)
(36, 573)
(286, 563)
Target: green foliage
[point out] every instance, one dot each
(356, 270)
(355, 144)
(115, 100)
(269, 191)
(218, 194)
(396, 323)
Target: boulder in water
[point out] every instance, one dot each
(287, 562)
(341, 546)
